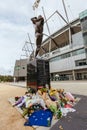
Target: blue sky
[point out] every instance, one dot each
(15, 23)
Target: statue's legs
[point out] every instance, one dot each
(38, 43)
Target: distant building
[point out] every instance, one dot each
(66, 50)
(20, 70)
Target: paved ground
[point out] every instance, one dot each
(75, 87)
(19, 84)
(10, 119)
(76, 120)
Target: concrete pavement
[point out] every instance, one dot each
(78, 119)
(75, 87)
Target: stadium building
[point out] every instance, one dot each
(66, 50)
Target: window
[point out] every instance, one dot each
(17, 67)
(85, 38)
(55, 58)
(65, 55)
(84, 25)
(80, 62)
(23, 67)
(77, 52)
(60, 57)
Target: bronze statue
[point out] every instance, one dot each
(38, 22)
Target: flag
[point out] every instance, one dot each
(36, 4)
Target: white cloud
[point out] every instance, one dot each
(3, 71)
(15, 23)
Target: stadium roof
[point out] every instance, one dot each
(60, 38)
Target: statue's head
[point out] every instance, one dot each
(39, 16)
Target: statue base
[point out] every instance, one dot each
(38, 74)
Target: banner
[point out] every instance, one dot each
(36, 4)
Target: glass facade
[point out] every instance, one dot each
(17, 67)
(81, 75)
(77, 52)
(83, 14)
(62, 77)
(80, 62)
(66, 55)
(83, 19)
(85, 38)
